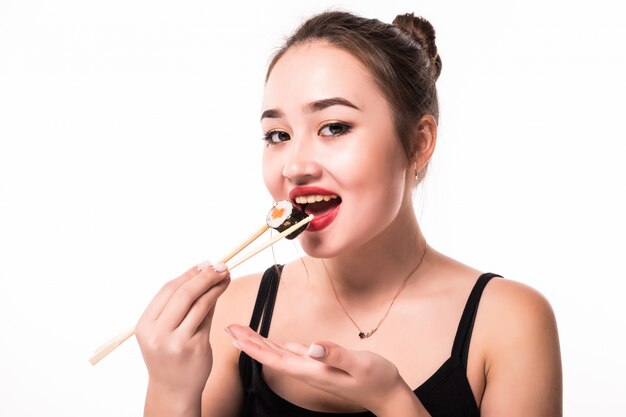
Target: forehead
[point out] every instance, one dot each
(315, 71)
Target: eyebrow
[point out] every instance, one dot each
(312, 107)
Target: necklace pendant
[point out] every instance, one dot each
(366, 335)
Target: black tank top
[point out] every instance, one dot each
(447, 393)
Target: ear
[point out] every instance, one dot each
(426, 140)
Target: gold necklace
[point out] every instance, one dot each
(362, 334)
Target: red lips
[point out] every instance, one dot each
(324, 211)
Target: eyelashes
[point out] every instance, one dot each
(334, 129)
(274, 137)
(328, 130)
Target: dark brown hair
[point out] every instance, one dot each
(401, 57)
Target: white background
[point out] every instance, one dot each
(130, 150)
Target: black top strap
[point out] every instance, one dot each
(265, 299)
(460, 348)
(274, 280)
(263, 308)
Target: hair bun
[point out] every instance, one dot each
(421, 31)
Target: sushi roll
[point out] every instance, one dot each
(284, 215)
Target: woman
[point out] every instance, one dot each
(373, 320)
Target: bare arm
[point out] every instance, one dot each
(523, 361)
(223, 393)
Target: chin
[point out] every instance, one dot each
(343, 238)
(316, 247)
(328, 243)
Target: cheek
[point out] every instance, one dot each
(373, 163)
(375, 178)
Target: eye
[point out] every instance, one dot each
(274, 137)
(334, 129)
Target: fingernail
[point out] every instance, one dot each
(316, 351)
(238, 344)
(220, 268)
(203, 265)
(227, 330)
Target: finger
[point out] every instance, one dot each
(292, 363)
(244, 333)
(201, 311)
(240, 332)
(160, 300)
(274, 344)
(296, 348)
(293, 347)
(334, 355)
(186, 295)
(265, 350)
(205, 326)
(261, 352)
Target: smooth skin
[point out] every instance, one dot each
(313, 356)
(174, 336)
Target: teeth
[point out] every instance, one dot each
(308, 199)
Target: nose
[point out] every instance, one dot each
(301, 166)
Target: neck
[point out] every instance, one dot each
(381, 265)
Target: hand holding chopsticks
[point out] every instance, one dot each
(111, 345)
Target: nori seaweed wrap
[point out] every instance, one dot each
(284, 215)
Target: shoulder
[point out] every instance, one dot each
(515, 321)
(508, 302)
(505, 305)
(519, 343)
(237, 302)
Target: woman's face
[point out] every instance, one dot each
(331, 145)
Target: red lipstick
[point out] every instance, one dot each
(325, 210)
